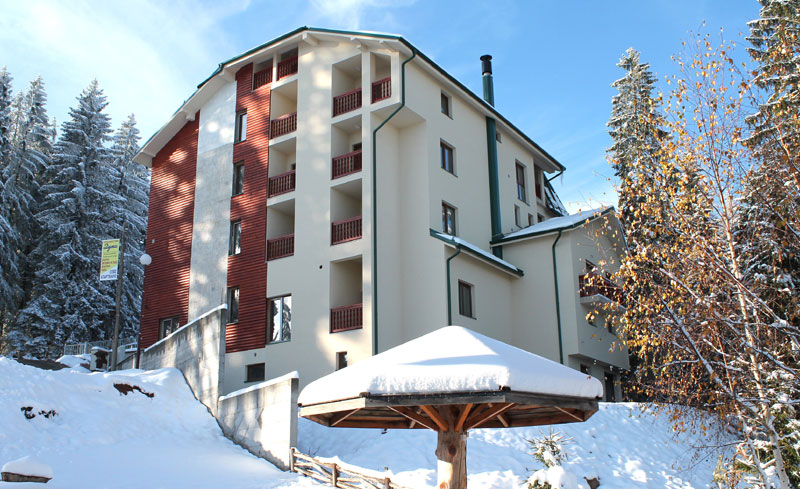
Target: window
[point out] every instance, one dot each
(255, 373)
(446, 105)
(585, 369)
(357, 147)
(537, 178)
(522, 193)
(531, 222)
(540, 218)
(238, 178)
(167, 326)
(235, 239)
(240, 133)
(233, 305)
(448, 219)
(280, 319)
(447, 157)
(341, 360)
(517, 219)
(465, 299)
(498, 137)
(609, 381)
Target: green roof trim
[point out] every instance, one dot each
(551, 230)
(476, 252)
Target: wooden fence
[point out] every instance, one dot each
(337, 475)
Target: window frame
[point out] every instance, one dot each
(233, 305)
(446, 208)
(162, 330)
(446, 105)
(445, 149)
(270, 325)
(248, 379)
(237, 187)
(235, 238)
(531, 221)
(517, 216)
(466, 290)
(240, 128)
(341, 360)
(522, 187)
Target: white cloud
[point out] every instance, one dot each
(351, 14)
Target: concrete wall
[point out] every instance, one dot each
(196, 350)
(263, 418)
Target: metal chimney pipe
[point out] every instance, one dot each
(491, 147)
(488, 83)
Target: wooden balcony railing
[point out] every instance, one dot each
(261, 78)
(283, 125)
(280, 184)
(346, 230)
(346, 164)
(280, 247)
(592, 285)
(347, 102)
(382, 89)
(346, 317)
(287, 67)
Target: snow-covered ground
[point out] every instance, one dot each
(101, 438)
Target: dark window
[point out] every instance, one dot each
(235, 239)
(537, 178)
(498, 137)
(167, 326)
(585, 369)
(448, 219)
(341, 360)
(540, 218)
(522, 193)
(240, 133)
(531, 222)
(238, 178)
(255, 372)
(446, 105)
(233, 304)
(517, 218)
(289, 54)
(609, 381)
(447, 157)
(465, 299)
(357, 147)
(280, 319)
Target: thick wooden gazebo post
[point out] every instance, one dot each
(451, 452)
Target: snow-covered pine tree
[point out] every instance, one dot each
(78, 211)
(134, 186)
(6, 288)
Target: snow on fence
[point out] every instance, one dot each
(127, 344)
(338, 474)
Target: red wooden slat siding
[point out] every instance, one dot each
(346, 230)
(169, 233)
(382, 89)
(280, 247)
(346, 317)
(347, 102)
(346, 164)
(284, 125)
(287, 67)
(283, 183)
(248, 269)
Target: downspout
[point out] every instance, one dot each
(558, 303)
(375, 203)
(555, 176)
(491, 146)
(449, 295)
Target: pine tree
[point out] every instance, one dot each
(69, 304)
(6, 263)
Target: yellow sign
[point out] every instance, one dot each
(109, 260)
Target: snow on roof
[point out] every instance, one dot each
(452, 360)
(29, 466)
(556, 223)
(475, 250)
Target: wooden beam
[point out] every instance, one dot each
(344, 417)
(503, 420)
(578, 418)
(333, 407)
(414, 417)
(463, 417)
(485, 416)
(435, 416)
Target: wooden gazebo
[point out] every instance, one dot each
(451, 381)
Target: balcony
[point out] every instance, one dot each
(280, 247)
(261, 78)
(346, 230)
(281, 184)
(347, 102)
(283, 125)
(287, 67)
(596, 289)
(346, 164)
(345, 318)
(382, 89)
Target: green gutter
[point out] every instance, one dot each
(553, 230)
(449, 293)
(375, 203)
(558, 303)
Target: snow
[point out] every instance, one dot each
(476, 250)
(448, 360)
(557, 223)
(556, 476)
(28, 466)
(76, 361)
(266, 383)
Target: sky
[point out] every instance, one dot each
(554, 61)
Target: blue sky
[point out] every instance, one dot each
(554, 61)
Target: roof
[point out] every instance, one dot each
(477, 252)
(221, 75)
(556, 224)
(452, 360)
